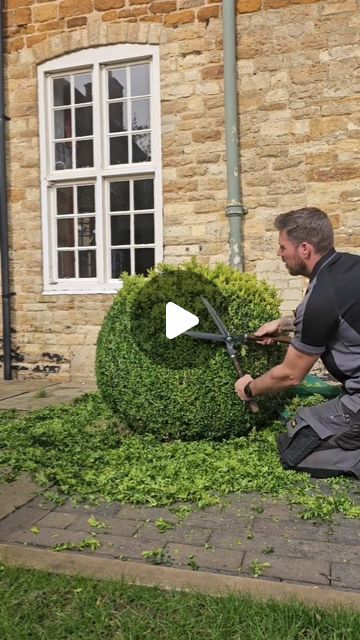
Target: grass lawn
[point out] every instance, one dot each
(41, 606)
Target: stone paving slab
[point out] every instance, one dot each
(55, 394)
(222, 560)
(16, 494)
(285, 568)
(113, 526)
(345, 575)
(14, 388)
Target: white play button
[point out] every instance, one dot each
(178, 320)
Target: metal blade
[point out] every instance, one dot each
(213, 337)
(219, 323)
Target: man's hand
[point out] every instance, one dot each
(240, 384)
(269, 328)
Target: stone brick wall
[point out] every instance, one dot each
(299, 97)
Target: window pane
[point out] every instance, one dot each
(84, 153)
(140, 80)
(117, 117)
(62, 123)
(64, 201)
(87, 264)
(86, 232)
(83, 88)
(144, 228)
(62, 92)
(65, 232)
(120, 261)
(117, 83)
(63, 155)
(86, 198)
(143, 194)
(119, 150)
(119, 196)
(66, 264)
(83, 121)
(141, 148)
(120, 230)
(140, 114)
(144, 260)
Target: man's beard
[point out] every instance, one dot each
(298, 269)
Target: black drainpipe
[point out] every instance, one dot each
(4, 237)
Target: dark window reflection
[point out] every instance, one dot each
(120, 230)
(62, 91)
(66, 264)
(120, 261)
(144, 260)
(87, 264)
(140, 114)
(86, 198)
(117, 83)
(65, 232)
(83, 88)
(120, 196)
(141, 148)
(84, 153)
(63, 156)
(62, 123)
(86, 232)
(144, 228)
(119, 153)
(143, 194)
(140, 80)
(64, 201)
(117, 117)
(83, 121)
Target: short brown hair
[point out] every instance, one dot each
(307, 225)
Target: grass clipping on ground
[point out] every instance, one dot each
(90, 457)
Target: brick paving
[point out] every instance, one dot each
(246, 535)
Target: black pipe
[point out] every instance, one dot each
(4, 237)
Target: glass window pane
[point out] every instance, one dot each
(120, 196)
(83, 121)
(83, 88)
(143, 194)
(117, 117)
(62, 91)
(66, 264)
(144, 228)
(117, 83)
(120, 261)
(87, 264)
(120, 230)
(140, 80)
(65, 232)
(62, 123)
(84, 153)
(86, 232)
(86, 198)
(144, 260)
(141, 148)
(119, 150)
(64, 201)
(140, 114)
(63, 155)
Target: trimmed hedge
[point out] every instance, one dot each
(187, 403)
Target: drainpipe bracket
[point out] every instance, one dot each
(235, 210)
(4, 117)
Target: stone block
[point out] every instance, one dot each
(292, 569)
(217, 560)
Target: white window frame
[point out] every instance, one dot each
(101, 173)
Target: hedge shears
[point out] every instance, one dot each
(230, 341)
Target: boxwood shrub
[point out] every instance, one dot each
(192, 402)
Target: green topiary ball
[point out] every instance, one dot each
(197, 401)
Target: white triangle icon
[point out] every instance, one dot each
(178, 320)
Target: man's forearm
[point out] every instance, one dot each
(275, 380)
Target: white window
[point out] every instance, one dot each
(100, 141)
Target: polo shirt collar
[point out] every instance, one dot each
(329, 254)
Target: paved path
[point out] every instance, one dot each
(222, 545)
